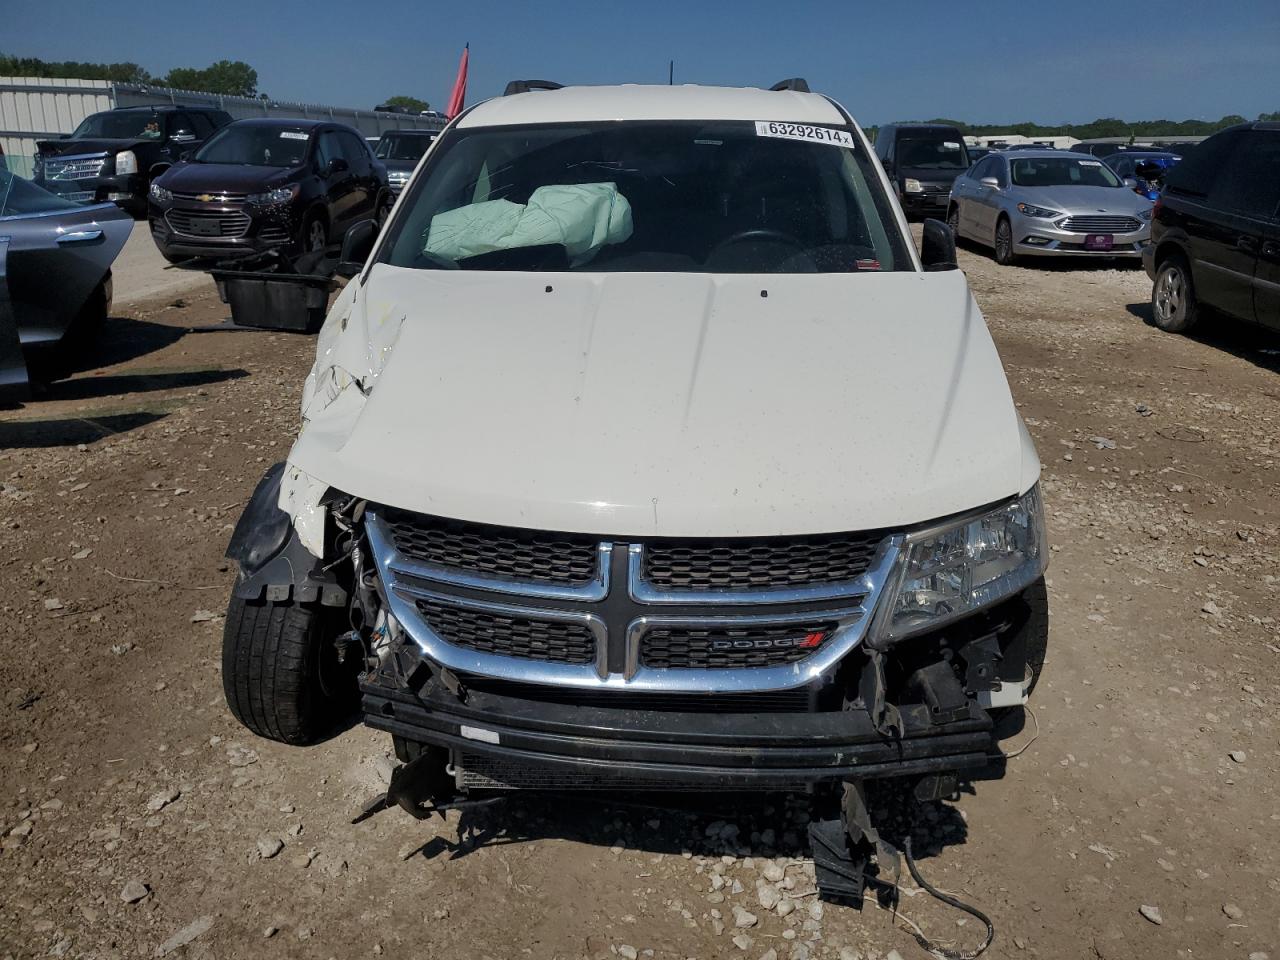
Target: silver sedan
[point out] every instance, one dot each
(1049, 203)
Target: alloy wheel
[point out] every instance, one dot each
(1004, 242)
(317, 236)
(1170, 290)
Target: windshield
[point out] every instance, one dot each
(402, 146)
(119, 125)
(18, 196)
(256, 144)
(932, 153)
(1062, 172)
(713, 197)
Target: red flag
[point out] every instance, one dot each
(459, 96)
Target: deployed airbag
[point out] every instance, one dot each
(582, 217)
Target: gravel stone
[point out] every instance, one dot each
(1232, 911)
(268, 847)
(744, 918)
(134, 891)
(1151, 913)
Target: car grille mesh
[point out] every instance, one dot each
(1091, 224)
(757, 564)
(683, 649)
(192, 224)
(82, 168)
(547, 641)
(795, 700)
(503, 552)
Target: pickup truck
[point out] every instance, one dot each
(114, 155)
(644, 452)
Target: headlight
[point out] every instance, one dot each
(1031, 210)
(946, 573)
(398, 176)
(160, 194)
(126, 162)
(1146, 214)
(278, 195)
(912, 186)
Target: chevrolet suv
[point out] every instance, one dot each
(644, 451)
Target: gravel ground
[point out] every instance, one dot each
(139, 820)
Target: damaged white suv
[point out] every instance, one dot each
(645, 452)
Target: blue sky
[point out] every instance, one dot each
(973, 60)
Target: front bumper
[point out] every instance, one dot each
(1037, 237)
(932, 203)
(522, 742)
(129, 191)
(246, 230)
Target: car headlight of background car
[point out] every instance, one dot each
(1031, 210)
(950, 571)
(126, 162)
(160, 194)
(912, 186)
(278, 195)
(1146, 214)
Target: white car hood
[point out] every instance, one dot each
(662, 404)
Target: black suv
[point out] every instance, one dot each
(922, 160)
(114, 155)
(262, 184)
(1215, 232)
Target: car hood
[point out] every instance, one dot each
(663, 404)
(216, 177)
(401, 166)
(1084, 200)
(929, 174)
(84, 145)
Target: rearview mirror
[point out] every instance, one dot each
(938, 247)
(357, 244)
(991, 182)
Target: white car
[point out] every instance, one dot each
(645, 452)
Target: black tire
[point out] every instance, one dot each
(314, 235)
(953, 220)
(1003, 245)
(176, 257)
(1173, 296)
(280, 672)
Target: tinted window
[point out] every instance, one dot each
(405, 147)
(355, 151)
(181, 125)
(1249, 182)
(203, 126)
(259, 145)
(1061, 171)
(932, 151)
(693, 197)
(1194, 176)
(19, 196)
(983, 168)
(119, 125)
(328, 149)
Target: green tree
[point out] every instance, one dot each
(413, 103)
(11, 66)
(234, 78)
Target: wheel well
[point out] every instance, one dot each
(1167, 250)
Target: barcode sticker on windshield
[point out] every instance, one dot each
(803, 131)
(292, 135)
(1090, 163)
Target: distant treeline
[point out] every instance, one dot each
(1108, 127)
(230, 77)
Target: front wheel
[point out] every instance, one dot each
(1004, 243)
(1173, 298)
(315, 235)
(280, 670)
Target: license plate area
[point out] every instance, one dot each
(1099, 241)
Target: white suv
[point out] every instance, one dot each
(645, 452)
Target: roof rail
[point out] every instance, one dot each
(524, 86)
(798, 84)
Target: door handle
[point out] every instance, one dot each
(1247, 243)
(80, 236)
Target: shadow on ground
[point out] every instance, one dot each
(1256, 344)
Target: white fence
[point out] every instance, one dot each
(41, 108)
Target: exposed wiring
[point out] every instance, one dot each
(943, 952)
(1034, 737)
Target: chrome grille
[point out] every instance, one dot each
(1099, 224)
(192, 223)
(211, 197)
(681, 648)
(756, 564)
(74, 168)
(494, 551)
(525, 638)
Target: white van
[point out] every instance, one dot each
(645, 452)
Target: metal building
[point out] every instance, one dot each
(42, 108)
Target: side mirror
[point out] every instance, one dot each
(357, 244)
(991, 182)
(1131, 183)
(938, 247)
(183, 136)
(184, 156)
(336, 165)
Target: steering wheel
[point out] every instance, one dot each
(756, 233)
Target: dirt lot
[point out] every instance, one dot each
(1152, 785)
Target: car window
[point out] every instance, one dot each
(713, 197)
(203, 125)
(355, 151)
(982, 168)
(1123, 166)
(19, 196)
(328, 149)
(932, 151)
(1249, 182)
(405, 147)
(1062, 171)
(256, 144)
(180, 126)
(120, 125)
(1195, 175)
